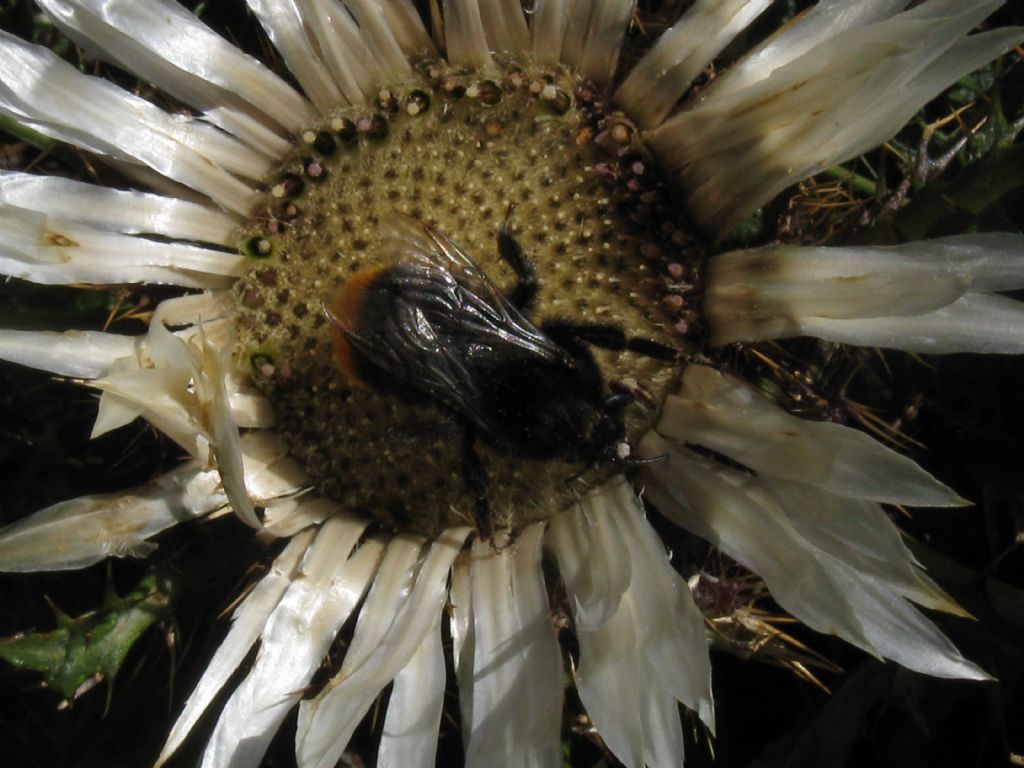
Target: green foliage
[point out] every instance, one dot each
(22, 133)
(992, 168)
(84, 650)
(975, 196)
(44, 307)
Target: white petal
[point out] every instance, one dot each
(164, 348)
(613, 681)
(549, 20)
(194, 309)
(821, 23)
(279, 479)
(725, 414)
(977, 322)
(785, 285)
(895, 108)
(187, 47)
(160, 395)
(247, 623)
(327, 721)
(464, 34)
(595, 585)
(76, 274)
(461, 627)
(284, 24)
(517, 669)
(993, 260)
(402, 18)
(651, 651)
(143, 177)
(409, 736)
(209, 374)
(778, 292)
(114, 412)
(663, 733)
(405, 605)
(261, 449)
(729, 510)
(860, 534)
(79, 532)
(391, 586)
(577, 27)
(269, 471)
(622, 693)
(48, 249)
(344, 50)
(286, 517)
(160, 41)
(251, 411)
(609, 21)
(671, 626)
(899, 632)
(682, 52)
(381, 22)
(504, 26)
(220, 333)
(818, 588)
(295, 640)
(735, 151)
(80, 354)
(117, 210)
(48, 94)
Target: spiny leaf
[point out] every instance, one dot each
(83, 650)
(982, 186)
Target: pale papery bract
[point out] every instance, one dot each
(797, 502)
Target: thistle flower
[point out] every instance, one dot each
(265, 197)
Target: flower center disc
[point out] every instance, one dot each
(465, 154)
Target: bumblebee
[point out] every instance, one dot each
(431, 327)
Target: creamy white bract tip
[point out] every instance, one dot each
(803, 513)
(79, 532)
(725, 414)
(827, 90)
(808, 521)
(931, 296)
(619, 583)
(656, 84)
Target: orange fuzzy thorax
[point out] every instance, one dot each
(345, 308)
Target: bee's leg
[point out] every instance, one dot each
(476, 478)
(608, 337)
(618, 399)
(525, 291)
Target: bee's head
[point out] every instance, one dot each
(606, 443)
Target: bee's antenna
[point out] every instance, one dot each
(623, 456)
(631, 462)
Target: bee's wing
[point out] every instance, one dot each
(439, 325)
(434, 338)
(410, 240)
